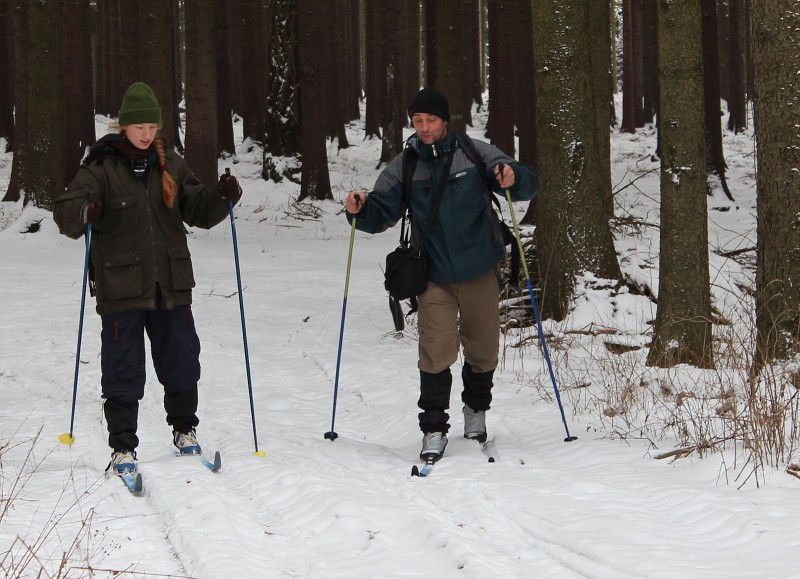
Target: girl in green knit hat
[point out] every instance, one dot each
(134, 193)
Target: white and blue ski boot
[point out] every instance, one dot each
(186, 442)
(122, 462)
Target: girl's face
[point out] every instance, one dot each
(141, 136)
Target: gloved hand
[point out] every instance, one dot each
(91, 212)
(229, 187)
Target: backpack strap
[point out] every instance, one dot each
(465, 143)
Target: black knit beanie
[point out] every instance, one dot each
(431, 101)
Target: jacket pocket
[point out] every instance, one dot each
(122, 277)
(118, 203)
(180, 263)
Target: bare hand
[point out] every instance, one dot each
(355, 201)
(504, 175)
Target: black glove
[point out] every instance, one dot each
(229, 187)
(91, 212)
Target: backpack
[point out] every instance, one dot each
(464, 142)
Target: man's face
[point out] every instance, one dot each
(430, 128)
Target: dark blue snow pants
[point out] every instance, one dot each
(175, 350)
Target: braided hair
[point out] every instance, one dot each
(169, 189)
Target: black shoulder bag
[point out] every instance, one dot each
(407, 268)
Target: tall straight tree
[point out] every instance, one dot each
(448, 65)
(523, 89)
(316, 180)
(573, 234)
(255, 24)
(79, 130)
(149, 56)
(373, 63)
(222, 33)
(283, 102)
(201, 90)
(332, 54)
(7, 71)
(737, 101)
(109, 85)
(502, 81)
(776, 60)
(19, 165)
(682, 333)
(392, 118)
(470, 48)
(629, 104)
(715, 158)
(44, 179)
(599, 33)
(408, 69)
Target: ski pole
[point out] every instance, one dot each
(68, 438)
(244, 328)
(536, 314)
(332, 434)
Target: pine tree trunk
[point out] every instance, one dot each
(201, 91)
(19, 165)
(316, 181)
(682, 333)
(256, 24)
(78, 87)
(44, 179)
(776, 60)
(449, 69)
(7, 72)
(573, 234)
(226, 145)
(283, 116)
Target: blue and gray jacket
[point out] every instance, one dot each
(465, 240)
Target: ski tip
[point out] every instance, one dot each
(138, 485)
(260, 453)
(414, 470)
(66, 438)
(217, 464)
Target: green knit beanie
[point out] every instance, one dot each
(139, 106)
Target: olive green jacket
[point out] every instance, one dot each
(138, 242)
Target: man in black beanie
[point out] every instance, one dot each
(459, 234)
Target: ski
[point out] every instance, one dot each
(133, 480)
(489, 450)
(213, 465)
(425, 470)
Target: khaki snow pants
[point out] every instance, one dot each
(460, 314)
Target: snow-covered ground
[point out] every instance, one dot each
(596, 507)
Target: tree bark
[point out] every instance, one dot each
(573, 234)
(201, 91)
(448, 64)
(7, 72)
(19, 164)
(682, 333)
(776, 60)
(316, 181)
(79, 130)
(226, 146)
(44, 178)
